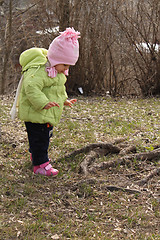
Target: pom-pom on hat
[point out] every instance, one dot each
(64, 49)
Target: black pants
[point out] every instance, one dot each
(38, 136)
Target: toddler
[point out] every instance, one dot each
(43, 94)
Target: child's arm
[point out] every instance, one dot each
(70, 102)
(51, 104)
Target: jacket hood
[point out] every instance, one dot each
(33, 57)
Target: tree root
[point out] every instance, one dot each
(149, 156)
(106, 147)
(126, 155)
(90, 158)
(105, 165)
(149, 176)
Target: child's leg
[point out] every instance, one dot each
(38, 136)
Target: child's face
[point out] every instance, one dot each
(61, 68)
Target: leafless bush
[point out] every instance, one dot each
(111, 54)
(140, 26)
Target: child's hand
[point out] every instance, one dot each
(51, 104)
(70, 102)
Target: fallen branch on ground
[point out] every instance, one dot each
(115, 188)
(93, 181)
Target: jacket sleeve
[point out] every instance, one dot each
(33, 85)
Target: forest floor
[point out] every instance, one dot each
(107, 152)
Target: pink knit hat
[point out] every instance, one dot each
(64, 49)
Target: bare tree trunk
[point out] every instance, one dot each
(64, 13)
(7, 47)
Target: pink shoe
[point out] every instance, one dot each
(45, 169)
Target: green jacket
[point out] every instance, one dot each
(38, 89)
